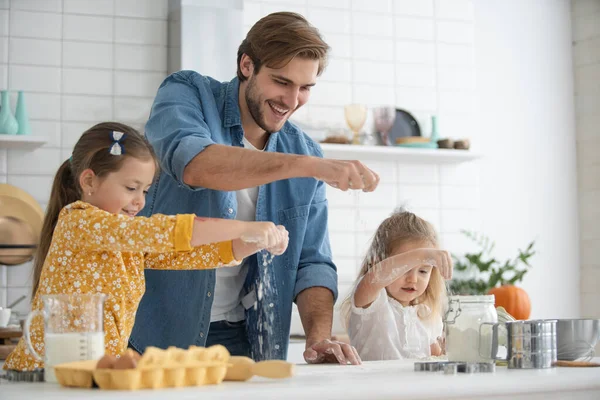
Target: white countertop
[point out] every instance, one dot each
(376, 380)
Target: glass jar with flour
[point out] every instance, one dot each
(466, 340)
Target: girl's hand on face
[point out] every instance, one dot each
(436, 258)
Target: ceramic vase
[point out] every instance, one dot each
(8, 123)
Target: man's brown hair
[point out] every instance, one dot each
(279, 37)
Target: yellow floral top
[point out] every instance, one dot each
(94, 251)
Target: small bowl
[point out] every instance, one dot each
(576, 338)
(4, 316)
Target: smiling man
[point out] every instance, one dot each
(227, 150)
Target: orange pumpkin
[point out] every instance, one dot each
(514, 300)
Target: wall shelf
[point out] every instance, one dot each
(399, 154)
(21, 142)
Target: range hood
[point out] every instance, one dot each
(204, 36)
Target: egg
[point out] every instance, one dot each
(125, 362)
(106, 362)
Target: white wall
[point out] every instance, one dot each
(527, 122)
(586, 57)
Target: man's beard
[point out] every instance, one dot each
(253, 101)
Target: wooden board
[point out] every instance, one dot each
(5, 350)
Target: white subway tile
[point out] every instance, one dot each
(37, 186)
(587, 152)
(453, 221)
(43, 106)
(3, 161)
(587, 103)
(272, 8)
(384, 196)
(41, 161)
(376, 6)
(363, 244)
(431, 215)
(590, 252)
(341, 219)
(93, 7)
(372, 24)
(141, 31)
(373, 96)
(586, 27)
(338, 198)
(37, 5)
(72, 131)
(87, 108)
(330, 21)
(456, 243)
(14, 293)
(421, 196)
(580, 8)
(460, 197)
(3, 76)
(368, 220)
(423, 8)
(455, 32)
(338, 70)
(3, 283)
(137, 83)
(373, 72)
(414, 28)
(417, 174)
(586, 52)
(20, 275)
(415, 75)
(331, 94)
(589, 177)
(588, 203)
(456, 78)
(324, 116)
(341, 4)
(35, 51)
(589, 307)
(87, 81)
(385, 169)
(454, 9)
(133, 109)
(35, 24)
(458, 125)
(2, 178)
(347, 271)
(40, 79)
(144, 9)
(463, 174)
(4, 25)
(301, 114)
(343, 245)
(457, 101)
(416, 98)
(340, 45)
(50, 130)
(373, 49)
(4, 4)
(415, 53)
(590, 280)
(252, 12)
(88, 28)
(587, 80)
(87, 55)
(3, 51)
(455, 54)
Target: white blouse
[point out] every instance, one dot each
(386, 330)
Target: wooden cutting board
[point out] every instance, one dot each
(8, 339)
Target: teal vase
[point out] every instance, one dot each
(434, 130)
(8, 123)
(21, 116)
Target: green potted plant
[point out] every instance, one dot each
(487, 275)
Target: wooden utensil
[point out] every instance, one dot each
(561, 363)
(244, 368)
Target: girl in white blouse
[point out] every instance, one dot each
(395, 311)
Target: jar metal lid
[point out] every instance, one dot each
(474, 299)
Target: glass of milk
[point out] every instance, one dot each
(73, 330)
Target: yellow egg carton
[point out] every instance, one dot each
(155, 369)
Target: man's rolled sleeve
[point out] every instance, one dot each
(317, 275)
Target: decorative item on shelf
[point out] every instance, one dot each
(384, 120)
(420, 141)
(21, 115)
(338, 135)
(356, 116)
(489, 276)
(463, 144)
(445, 144)
(8, 123)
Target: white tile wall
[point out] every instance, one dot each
(586, 60)
(84, 61)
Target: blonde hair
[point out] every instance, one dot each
(402, 226)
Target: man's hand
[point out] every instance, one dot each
(346, 175)
(329, 351)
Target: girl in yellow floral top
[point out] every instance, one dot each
(92, 242)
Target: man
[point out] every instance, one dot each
(228, 151)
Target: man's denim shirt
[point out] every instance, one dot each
(190, 113)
